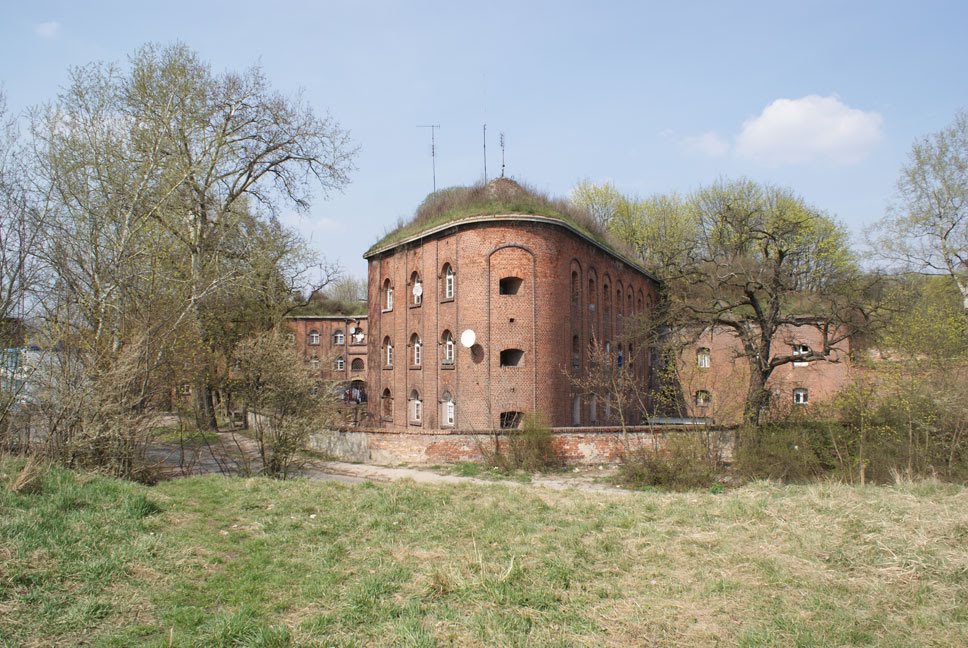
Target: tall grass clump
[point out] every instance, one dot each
(529, 448)
(685, 461)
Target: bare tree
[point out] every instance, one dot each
(927, 229)
(234, 147)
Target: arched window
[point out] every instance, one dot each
(593, 410)
(314, 363)
(416, 407)
(703, 398)
(386, 404)
(620, 356)
(313, 338)
(576, 411)
(339, 364)
(291, 339)
(338, 337)
(357, 364)
(357, 336)
(575, 288)
(417, 348)
(447, 341)
(592, 294)
(416, 289)
(512, 358)
(450, 287)
(387, 295)
(703, 358)
(448, 411)
(387, 352)
(801, 396)
(575, 352)
(509, 285)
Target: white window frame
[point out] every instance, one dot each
(449, 283)
(339, 364)
(417, 299)
(703, 398)
(703, 358)
(417, 352)
(801, 396)
(338, 337)
(314, 338)
(448, 411)
(389, 354)
(448, 350)
(416, 410)
(388, 297)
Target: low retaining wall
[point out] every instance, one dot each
(575, 446)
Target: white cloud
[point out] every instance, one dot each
(709, 144)
(48, 29)
(793, 131)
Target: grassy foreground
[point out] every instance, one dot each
(215, 561)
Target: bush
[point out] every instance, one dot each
(530, 448)
(684, 462)
(792, 451)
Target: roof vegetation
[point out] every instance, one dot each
(500, 196)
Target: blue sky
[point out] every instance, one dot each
(823, 97)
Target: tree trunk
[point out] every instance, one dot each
(204, 412)
(757, 398)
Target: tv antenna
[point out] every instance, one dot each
(485, 153)
(502, 154)
(433, 149)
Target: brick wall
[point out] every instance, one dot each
(554, 304)
(727, 377)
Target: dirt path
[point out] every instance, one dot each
(232, 450)
(582, 480)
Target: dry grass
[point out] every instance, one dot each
(255, 562)
(500, 196)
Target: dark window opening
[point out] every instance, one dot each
(510, 285)
(512, 358)
(511, 420)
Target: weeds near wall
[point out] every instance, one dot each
(530, 448)
(685, 461)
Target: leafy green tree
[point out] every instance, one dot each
(753, 260)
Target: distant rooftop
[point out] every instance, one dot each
(502, 199)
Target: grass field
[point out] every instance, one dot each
(215, 561)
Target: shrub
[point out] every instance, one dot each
(684, 462)
(530, 448)
(789, 451)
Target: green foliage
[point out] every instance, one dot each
(530, 448)
(788, 451)
(930, 322)
(501, 196)
(682, 462)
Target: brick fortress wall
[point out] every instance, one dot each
(570, 291)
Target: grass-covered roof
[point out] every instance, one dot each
(498, 197)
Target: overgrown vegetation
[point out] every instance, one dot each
(211, 561)
(530, 448)
(501, 196)
(687, 460)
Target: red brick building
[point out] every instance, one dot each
(714, 374)
(336, 345)
(476, 321)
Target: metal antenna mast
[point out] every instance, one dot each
(433, 149)
(485, 153)
(502, 154)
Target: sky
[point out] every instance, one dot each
(656, 97)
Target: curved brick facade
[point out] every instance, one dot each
(533, 290)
